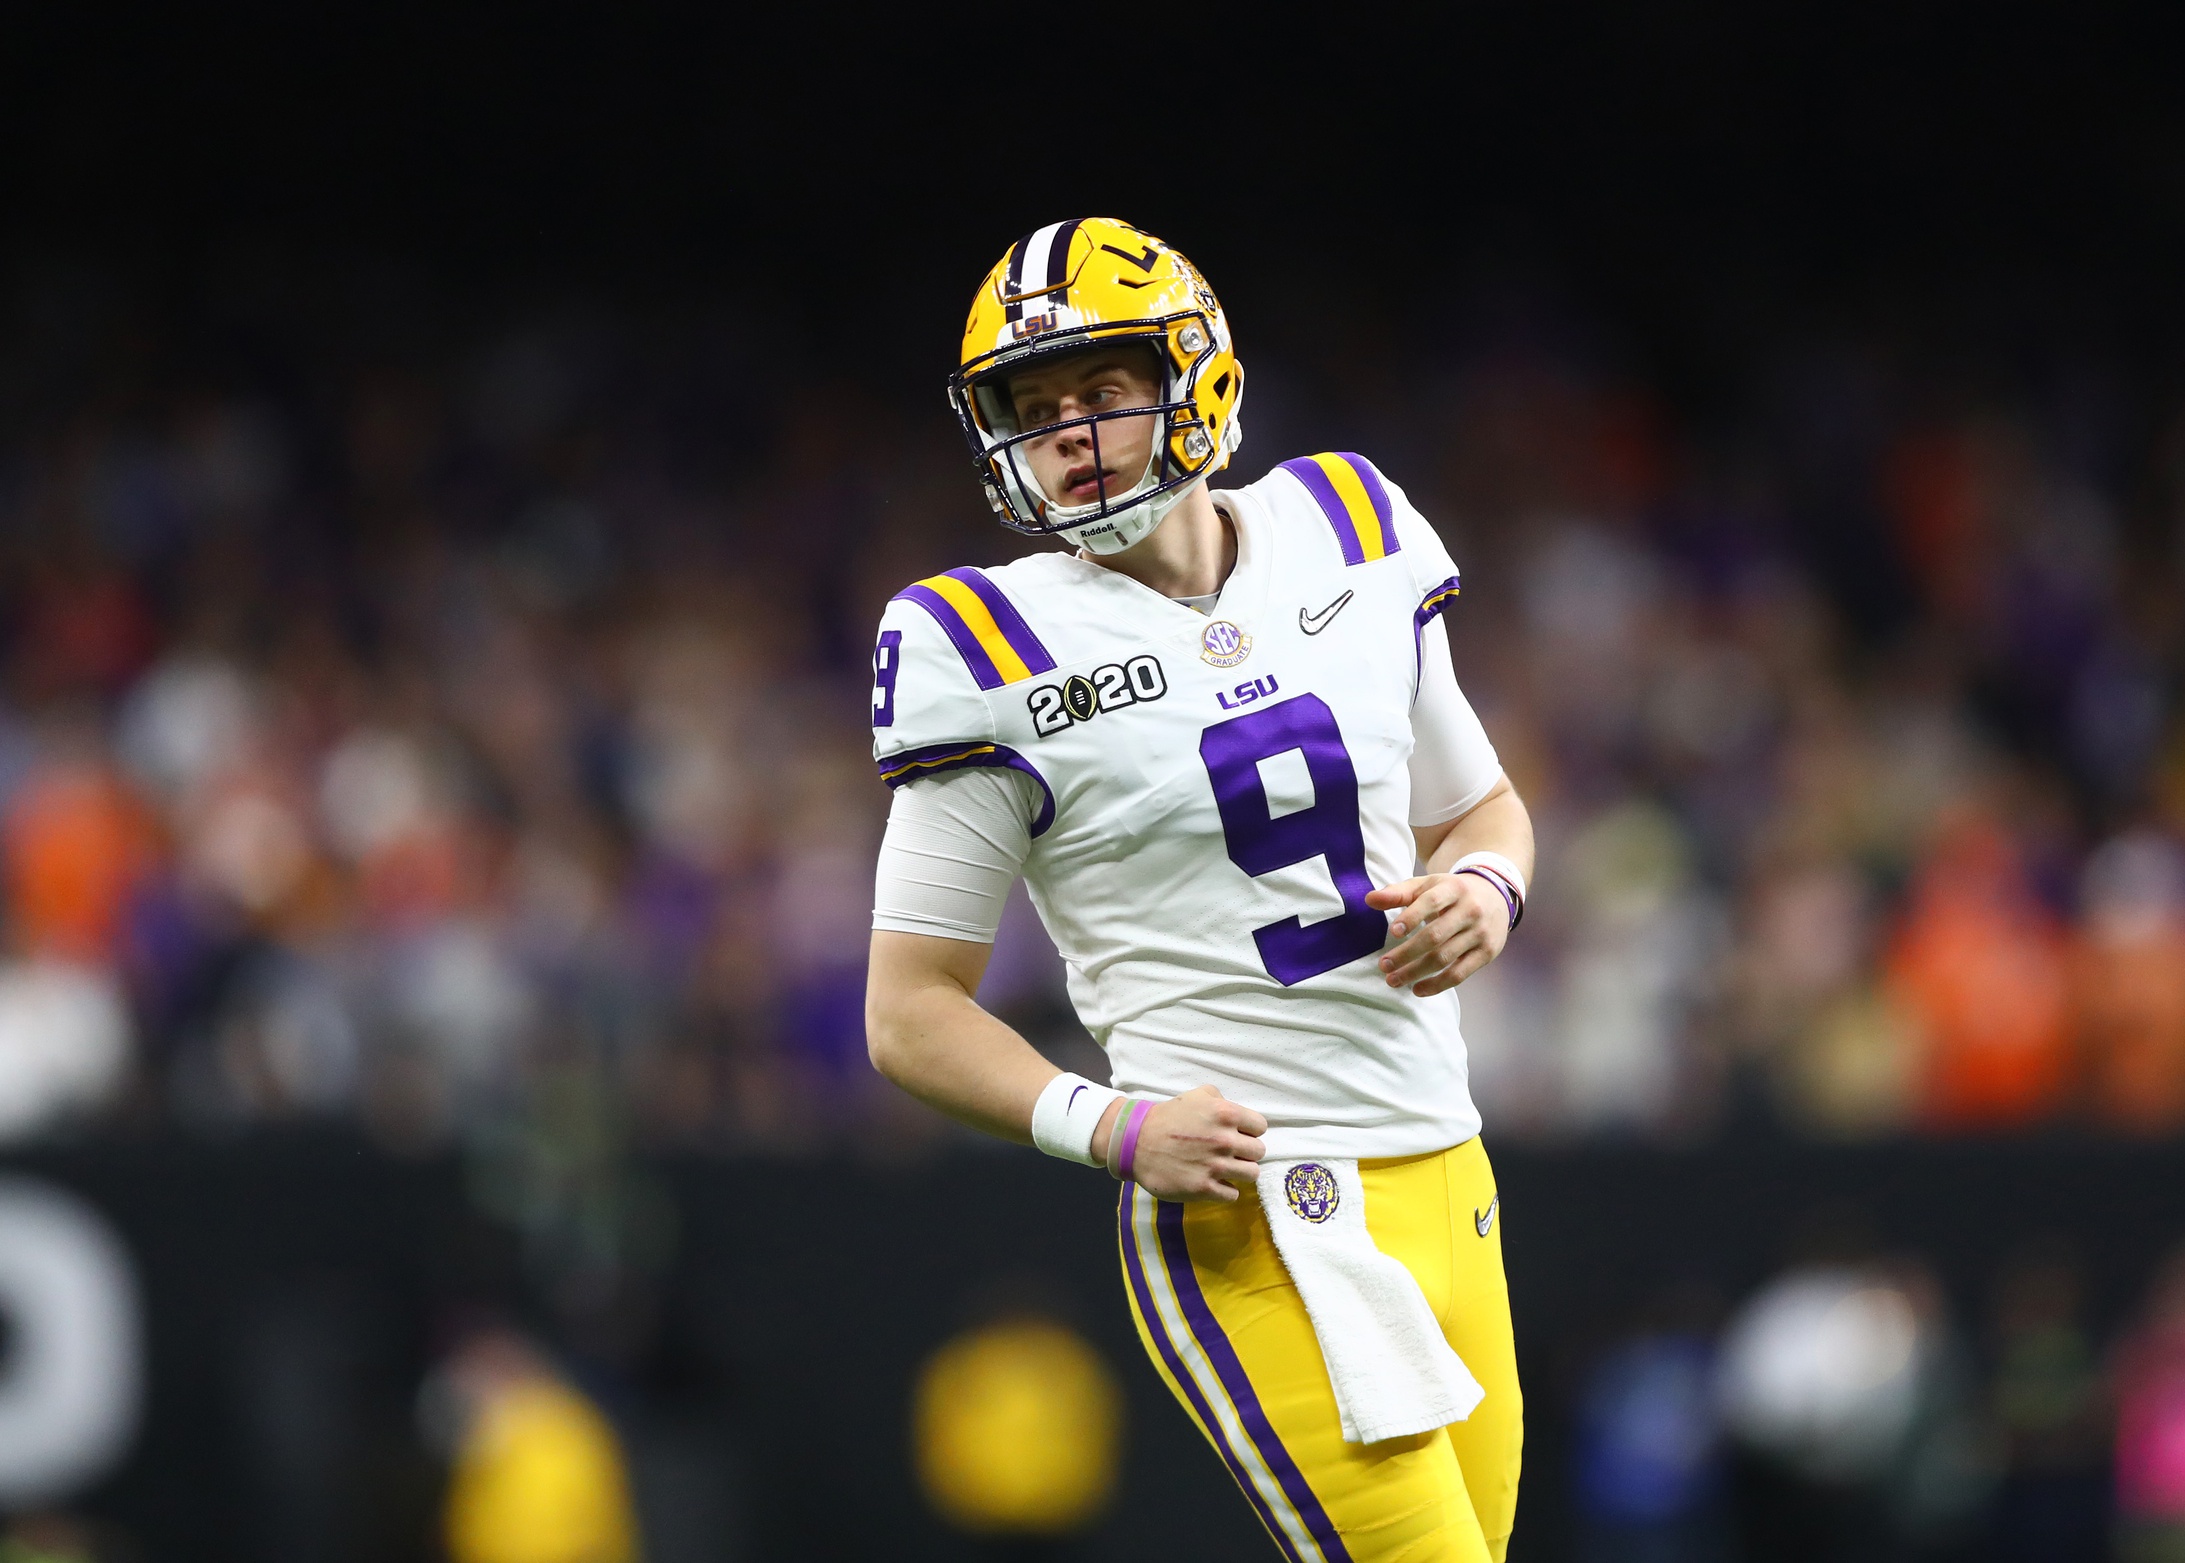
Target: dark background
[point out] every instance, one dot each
(1984, 187)
(1686, 169)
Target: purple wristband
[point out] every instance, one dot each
(1127, 1157)
(1510, 899)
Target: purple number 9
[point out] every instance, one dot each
(887, 657)
(1259, 843)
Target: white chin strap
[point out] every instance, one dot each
(1125, 525)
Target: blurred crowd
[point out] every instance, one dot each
(452, 721)
(1841, 1413)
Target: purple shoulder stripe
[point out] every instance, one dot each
(932, 760)
(1310, 473)
(1383, 511)
(966, 642)
(1006, 619)
(1364, 531)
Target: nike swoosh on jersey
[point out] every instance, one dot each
(1314, 623)
(1486, 1223)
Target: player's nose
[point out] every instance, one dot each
(1081, 434)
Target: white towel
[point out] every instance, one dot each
(1393, 1373)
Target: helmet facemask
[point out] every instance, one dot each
(1182, 452)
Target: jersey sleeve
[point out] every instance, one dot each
(1453, 762)
(1426, 558)
(1372, 520)
(930, 715)
(955, 844)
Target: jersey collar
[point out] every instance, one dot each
(1240, 600)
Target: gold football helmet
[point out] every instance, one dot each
(1072, 285)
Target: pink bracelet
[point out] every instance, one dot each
(1511, 900)
(1127, 1157)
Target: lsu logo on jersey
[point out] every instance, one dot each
(1246, 693)
(1080, 698)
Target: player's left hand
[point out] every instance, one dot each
(1446, 927)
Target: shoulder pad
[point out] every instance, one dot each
(1354, 500)
(989, 634)
(945, 642)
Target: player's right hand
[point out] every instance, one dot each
(1199, 1145)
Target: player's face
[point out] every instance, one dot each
(1098, 380)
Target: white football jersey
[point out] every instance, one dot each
(1217, 793)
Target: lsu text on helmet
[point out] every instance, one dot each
(1073, 285)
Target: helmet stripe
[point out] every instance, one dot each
(1039, 254)
(1013, 288)
(1039, 263)
(1058, 261)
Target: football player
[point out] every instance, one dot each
(1219, 736)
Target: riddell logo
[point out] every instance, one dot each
(1033, 325)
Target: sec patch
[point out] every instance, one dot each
(1223, 644)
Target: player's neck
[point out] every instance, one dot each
(1190, 554)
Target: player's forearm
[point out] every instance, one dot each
(926, 1033)
(1498, 823)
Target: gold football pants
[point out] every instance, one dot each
(1229, 1334)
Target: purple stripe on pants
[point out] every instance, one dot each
(1169, 1219)
(1134, 1268)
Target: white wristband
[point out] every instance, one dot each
(1497, 862)
(1066, 1114)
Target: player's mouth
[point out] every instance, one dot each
(1081, 485)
